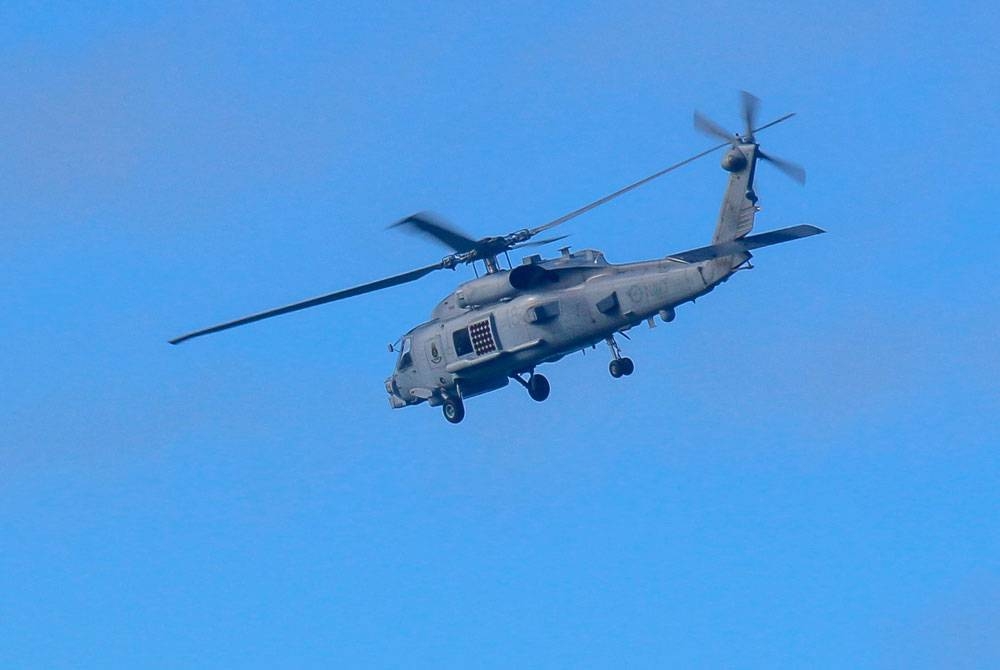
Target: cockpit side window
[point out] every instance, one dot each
(405, 357)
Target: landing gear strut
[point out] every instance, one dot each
(454, 409)
(620, 365)
(537, 385)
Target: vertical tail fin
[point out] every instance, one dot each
(739, 204)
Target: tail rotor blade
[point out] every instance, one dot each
(711, 128)
(793, 170)
(750, 104)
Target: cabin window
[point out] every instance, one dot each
(463, 343)
(405, 357)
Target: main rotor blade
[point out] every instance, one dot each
(645, 180)
(773, 123)
(793, 170)
(430, 225)
(622, 191)
(538, 243)
(712, 129)
(319, 300)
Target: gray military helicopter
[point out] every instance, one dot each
(504, 324)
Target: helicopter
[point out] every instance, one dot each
(503, 325)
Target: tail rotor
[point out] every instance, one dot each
(749, 108)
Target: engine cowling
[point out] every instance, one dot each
(531, 275)
(484, 290)
(503, 284)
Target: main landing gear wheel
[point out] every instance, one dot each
(538, 387)
(621, 367)
(454, 409)
(628, 367)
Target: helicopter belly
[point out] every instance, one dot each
(474, 386)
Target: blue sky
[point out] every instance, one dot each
(803, 471)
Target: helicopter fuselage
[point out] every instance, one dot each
(504, 324)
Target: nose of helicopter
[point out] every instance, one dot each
(395, 401)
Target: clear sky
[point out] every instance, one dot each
(803, 471)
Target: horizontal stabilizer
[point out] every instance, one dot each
(746, 244)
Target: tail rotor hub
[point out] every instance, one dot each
(734, 160)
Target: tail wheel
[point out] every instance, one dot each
(538, 388)
(453, 409)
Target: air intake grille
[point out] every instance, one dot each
(482, 337)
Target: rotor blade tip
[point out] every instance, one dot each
(400, 222)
